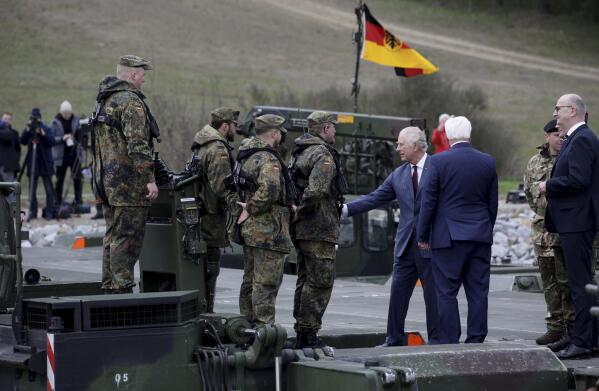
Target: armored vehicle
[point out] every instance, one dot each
(162, 338)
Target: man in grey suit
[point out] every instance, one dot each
(410, 263)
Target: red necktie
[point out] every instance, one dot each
(415, 179)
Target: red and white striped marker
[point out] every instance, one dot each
(50, 366)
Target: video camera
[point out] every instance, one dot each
(34, 123)
(85, 130)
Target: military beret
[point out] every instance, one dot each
(321, 117)
(224, 114)
(133, 61)
(551, 126)
(269, 121)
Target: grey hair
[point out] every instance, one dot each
(577, 102)
(415, 136)
(124, 72)
(444, 117)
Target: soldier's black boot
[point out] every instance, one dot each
(99, 212)
(300, 340)
(122, 290)
(310, 340)
(550, 336)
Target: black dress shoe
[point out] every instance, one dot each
(560, 345)
(573, 352)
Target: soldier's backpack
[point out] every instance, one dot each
(300, 178)
(244, 183)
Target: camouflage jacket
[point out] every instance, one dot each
(268, 224)
(219, 201)
(123, 161)
(538, 170)
(318, 211)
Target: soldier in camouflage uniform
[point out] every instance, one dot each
(546, 245)
(123, 170)
(316, 224)
(211, 145)
(264, 220)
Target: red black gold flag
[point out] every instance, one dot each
(382, 47)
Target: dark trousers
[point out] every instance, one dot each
(578, 254)
(465, 263)
(49, 210)
(407, 269)
(61, 173)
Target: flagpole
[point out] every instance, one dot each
(355, 91)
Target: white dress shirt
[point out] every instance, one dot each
(573, 128)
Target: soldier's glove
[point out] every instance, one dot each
(162, 174)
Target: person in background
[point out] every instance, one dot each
(65, 153)
(439, 137)
(10, 149)
(39, 138)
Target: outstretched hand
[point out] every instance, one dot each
(244, 213)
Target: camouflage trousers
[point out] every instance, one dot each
(262, 276)
(560, 311)
(122, 245)
(315, 277)
(211, 273)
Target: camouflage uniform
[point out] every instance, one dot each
(316, 229)
(213, 150)
(123, 166)
(265, 233)
(546, 245)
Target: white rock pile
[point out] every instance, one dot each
(45, 235)
(511, 236)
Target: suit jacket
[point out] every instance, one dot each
(397, 186)
(573, 190)
(459, 201)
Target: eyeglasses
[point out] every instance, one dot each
(556, 108)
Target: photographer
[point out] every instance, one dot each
(66, 151)
(10, 150)
(39, 139)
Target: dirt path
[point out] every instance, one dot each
(345, 19)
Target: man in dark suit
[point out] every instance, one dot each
(404, 184)
(573, 212)
(457, 215)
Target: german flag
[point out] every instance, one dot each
(382, 47)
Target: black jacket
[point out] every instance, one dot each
(573, 190)
(10, 150)
(44, 163)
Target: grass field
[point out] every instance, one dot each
(209, 53)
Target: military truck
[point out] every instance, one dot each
(162, 338)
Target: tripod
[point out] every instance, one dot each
(31, 158)
(64, 208)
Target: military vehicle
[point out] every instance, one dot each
(162, 338)
(366, 145)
